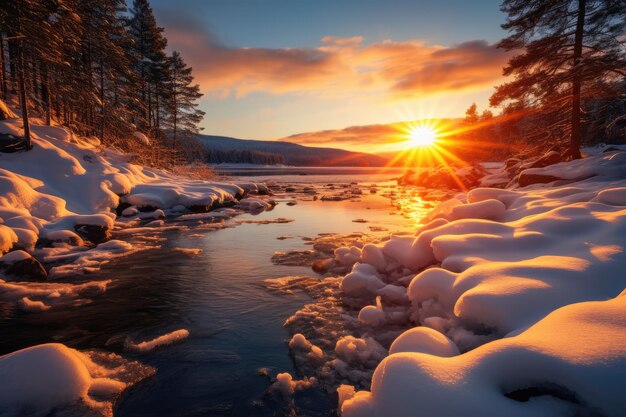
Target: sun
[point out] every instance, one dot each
(422, 136)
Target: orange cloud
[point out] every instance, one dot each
(338, 66)
(375, 138)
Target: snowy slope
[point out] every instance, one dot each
(66, 181)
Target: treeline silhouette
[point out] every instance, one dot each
(241, 156)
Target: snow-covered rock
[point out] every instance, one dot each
(22, 265)
(52, 378)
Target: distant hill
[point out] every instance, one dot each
(292, 153)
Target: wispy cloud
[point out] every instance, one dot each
(338, 66)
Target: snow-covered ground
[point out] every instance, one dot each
(66, 182)
(513, 300)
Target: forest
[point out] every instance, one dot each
(101, 69)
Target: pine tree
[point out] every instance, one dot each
(471, 114)
(113, 69)
(182, 95)
(16, 18)
(47, 30)
(566, 43)
(148, 50)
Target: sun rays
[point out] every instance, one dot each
(443, 143)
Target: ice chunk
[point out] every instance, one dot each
(163, 340)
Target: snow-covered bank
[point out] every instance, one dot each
(525, 282)
(66, 181)
(68, 190)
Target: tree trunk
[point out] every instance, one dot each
(577, 81)
(20, 79)
(102, 103)
(45, 93)
(175, 117)
(149, 110)
(13, 59)
(22, 87)
(157, 111)
(3, 75)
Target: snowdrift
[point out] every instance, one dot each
(573, 362)
(516, 295)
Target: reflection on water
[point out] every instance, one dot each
(235, 324)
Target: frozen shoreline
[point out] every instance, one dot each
(498, 277)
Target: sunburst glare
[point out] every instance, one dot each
(422, 136)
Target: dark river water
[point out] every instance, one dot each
(235, 324)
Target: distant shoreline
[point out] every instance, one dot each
(248, 170)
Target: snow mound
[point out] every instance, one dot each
(359, 350)
(305, 350)
(424, 340)
(609, 165)
(286, 385)
(53, 378)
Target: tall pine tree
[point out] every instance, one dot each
(182, 95)
(148, 49)
(565, 44)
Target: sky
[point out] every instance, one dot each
(275, 69)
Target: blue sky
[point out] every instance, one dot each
(273, 68)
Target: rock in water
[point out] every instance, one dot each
(93, 233)
(20, 264)
(527, 178)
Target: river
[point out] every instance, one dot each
(235, 323)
